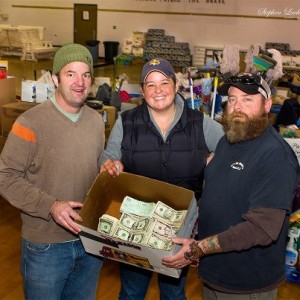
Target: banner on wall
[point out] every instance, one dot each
(259, 8)
(288, 9)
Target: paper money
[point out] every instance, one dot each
(168, 214)
(164, 230)
(122, 233)
(137, 207)
(158, 242)
(133, 222)
(139, 238)
(143, 223)
(179, 217)
(107, 224)
(128, 220)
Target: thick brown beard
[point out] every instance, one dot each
(246, 129)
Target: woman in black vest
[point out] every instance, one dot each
(165, 140)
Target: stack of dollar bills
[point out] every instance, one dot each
(147, 224)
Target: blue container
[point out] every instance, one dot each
(197, 103)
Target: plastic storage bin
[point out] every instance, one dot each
(93, 47)
(110, 50)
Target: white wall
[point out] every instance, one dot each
(210, 31)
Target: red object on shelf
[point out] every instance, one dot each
(3, 73)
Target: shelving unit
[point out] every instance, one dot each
(212, 53)
(204, 54)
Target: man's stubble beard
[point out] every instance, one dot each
(238, 127)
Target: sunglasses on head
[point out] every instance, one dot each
(250, 79)
(246, 79)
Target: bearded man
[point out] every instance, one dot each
(244, 210)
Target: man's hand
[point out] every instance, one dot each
(177, 260)
(63, 213)
(113, 167)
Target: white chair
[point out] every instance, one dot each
(15, 45)
(33, 47)
(4, 43)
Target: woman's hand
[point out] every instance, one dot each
(113, 167)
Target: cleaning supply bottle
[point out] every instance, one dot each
(206, 88)
(291, 250)
(295, 223)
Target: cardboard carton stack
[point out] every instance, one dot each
(10, 113)
(7, 93)
(157, 44)
(199, 56)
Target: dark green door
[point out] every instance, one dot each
(85, 23)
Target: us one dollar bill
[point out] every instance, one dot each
(139, 238)
(107, 224)
(158, 242)
(128, 220)
(168, 214)
(122, 233)
(135, 223)
(164, 229)
(143, 224)
(137, 207)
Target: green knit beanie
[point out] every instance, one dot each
(70, 53)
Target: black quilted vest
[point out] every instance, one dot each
(179, 160)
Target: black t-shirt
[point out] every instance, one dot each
(261, 173)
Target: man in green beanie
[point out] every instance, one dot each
(49, 162)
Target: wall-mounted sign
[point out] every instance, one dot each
(85, 15)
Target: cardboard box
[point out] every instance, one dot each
(295, 145)
(7, 93)
(34, 91)
(106, 196)
(11, 111)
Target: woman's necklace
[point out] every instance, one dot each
(165, 128)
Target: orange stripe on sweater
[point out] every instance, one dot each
(23, 132)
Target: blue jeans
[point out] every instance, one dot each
(59, 271)
(135, 282)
